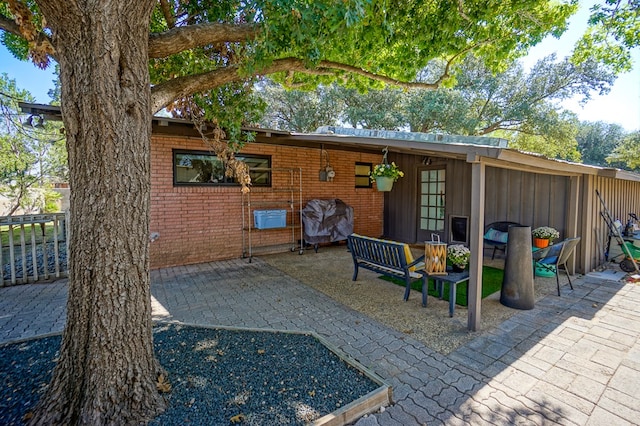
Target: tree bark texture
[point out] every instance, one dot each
(106, 371)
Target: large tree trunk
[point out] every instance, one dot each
(106, 371)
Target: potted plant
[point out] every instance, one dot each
(459, 256)
(384, 175)
(544, 235)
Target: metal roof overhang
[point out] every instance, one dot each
(491, 156)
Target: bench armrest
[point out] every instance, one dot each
(415, 262)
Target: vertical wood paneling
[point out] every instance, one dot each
(501, 191)
(527, 185)
(621, 198)
(401, 204)
(528, 198)
(490, 206)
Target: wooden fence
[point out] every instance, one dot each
(33, 248)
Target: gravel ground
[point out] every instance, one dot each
(217, 376)
(51, 261)
(330, 271)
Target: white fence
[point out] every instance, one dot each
(33, 248)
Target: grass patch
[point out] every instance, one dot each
(491, 282)
(28, 229)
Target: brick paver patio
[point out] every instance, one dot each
(573, 359)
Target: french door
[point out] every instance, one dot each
(431, 205)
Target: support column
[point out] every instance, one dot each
(571, 225)
(476, 228)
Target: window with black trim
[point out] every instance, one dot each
(362, 175)
(204, 168)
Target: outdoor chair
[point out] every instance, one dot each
(495, 235)
(554, 256)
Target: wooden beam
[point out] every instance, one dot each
(571, 219)
(538, 166)
(476, 229)
(592, 248)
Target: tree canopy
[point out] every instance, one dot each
(614, 29)
(214, 48)
(31, 157)
(521, 106)
(627, 152)
(597, 141)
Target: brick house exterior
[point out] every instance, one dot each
(204, 223)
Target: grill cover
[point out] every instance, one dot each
(327, 221)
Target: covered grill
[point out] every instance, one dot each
(326, 221)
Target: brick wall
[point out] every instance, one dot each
(201, 224)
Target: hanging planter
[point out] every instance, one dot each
(385, 174)
(384, 183)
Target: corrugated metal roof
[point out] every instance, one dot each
(413, 136)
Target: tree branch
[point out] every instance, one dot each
(179, 39)
(461, 11)
(10, 26)
(505, 124)
(165, 7)
(163, 93)
(325, 66)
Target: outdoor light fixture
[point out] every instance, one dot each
(39, 122)
(326, 171)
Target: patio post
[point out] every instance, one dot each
(474, 298)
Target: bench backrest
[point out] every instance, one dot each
(386, 253)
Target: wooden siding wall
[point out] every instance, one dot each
(621, 198)
(402, 203)
(528, 198)
(204, 223)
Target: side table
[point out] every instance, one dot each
(453, 278)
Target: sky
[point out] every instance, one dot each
(620, 106)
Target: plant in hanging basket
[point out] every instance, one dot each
(386, 170)
(545, 233)
(458, 255)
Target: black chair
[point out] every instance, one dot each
(554, 256)
(495, 235)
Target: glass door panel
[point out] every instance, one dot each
(432, 203)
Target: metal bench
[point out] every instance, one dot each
(388, 258)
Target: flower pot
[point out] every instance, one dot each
(457, 268)
(384, 183)
(541, 242)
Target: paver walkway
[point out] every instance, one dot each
(573, 359)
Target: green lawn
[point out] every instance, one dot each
(491, 282)
(4, 234)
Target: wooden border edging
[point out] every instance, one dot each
(366, 404)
